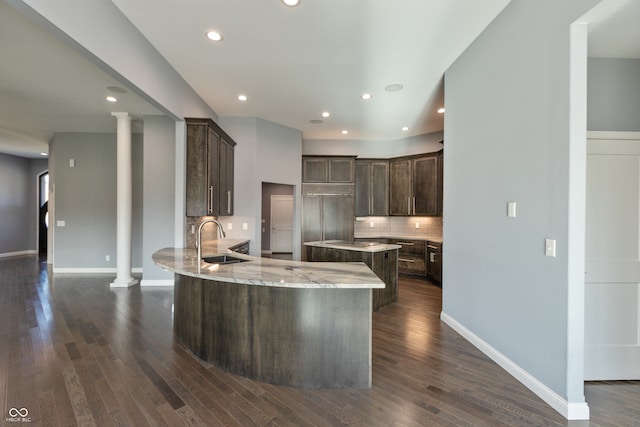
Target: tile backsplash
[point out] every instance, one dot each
(400, 226)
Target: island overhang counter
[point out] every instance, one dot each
(301, 324)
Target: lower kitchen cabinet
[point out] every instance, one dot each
(434, 261)
(412, 257)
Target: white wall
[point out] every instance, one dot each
(266, 152)
(507, 137)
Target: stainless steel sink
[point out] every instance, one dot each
(223, 259)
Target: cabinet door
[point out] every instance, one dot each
(425, 186)
(363, 184)
(225, 195)
(337, 217)
(311, 218)
(400, 180)
(197, 184)
(213, 174)
(341, 170)
(379, 188)
(315, 169)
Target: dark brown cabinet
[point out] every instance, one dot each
(327, 217)
(415, 185)
(372, 187)
(434, 261)
(412, 256)
(209, 174)
(226, 177)
(335, 169)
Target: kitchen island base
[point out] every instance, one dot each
(309, 338)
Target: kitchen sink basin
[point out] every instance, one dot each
(223, 259)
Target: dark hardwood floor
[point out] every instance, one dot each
(74, 352)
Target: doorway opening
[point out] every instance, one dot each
(43, 213)
(277, 220)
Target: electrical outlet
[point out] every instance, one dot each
(417, 225)
(229, 226)
(193, 229)
(107, 257)
(371, 224)
(245, 226)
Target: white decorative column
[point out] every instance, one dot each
(124, 202)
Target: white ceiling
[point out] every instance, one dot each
(292, 63)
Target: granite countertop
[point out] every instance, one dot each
(353, 246)
(265, 271)
(406, 237)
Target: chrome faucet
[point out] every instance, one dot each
(199, 236)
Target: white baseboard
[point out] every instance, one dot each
(19, 253)
(92, 270)
(152, 282)
(570, 410)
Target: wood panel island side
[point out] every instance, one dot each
(301, 324)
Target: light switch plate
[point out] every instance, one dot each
(550, 247)
(511, 209)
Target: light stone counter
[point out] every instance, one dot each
(265, 271)
(300, 324)
(353, 246)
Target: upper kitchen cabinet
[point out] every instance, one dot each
(226, 177)
(334, 169)
(415, 185)
(372, 187)
(209, 180)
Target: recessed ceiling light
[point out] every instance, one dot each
(291, 3)
(242, 97)
(394, 87)
(366, 96)
(326, 114)
(315, 121)
(405, 128)
(214, 36)
(441, 110)
(43, 154)
(111, 99)
(344, 132)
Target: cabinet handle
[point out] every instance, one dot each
(406, 260)
(229, 201)
(432, 257)
(414, 205)
(405, 243)
(408, 205)
(210, 206)
(370, 205)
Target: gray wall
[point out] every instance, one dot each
(613, 94)
(418, 144)
(158, 194)
(507, 139)
(85, 198)
(266, 152)
(19, 203)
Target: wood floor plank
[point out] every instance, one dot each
(76, 353)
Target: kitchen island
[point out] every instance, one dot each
(381, 258)
(301, 324)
